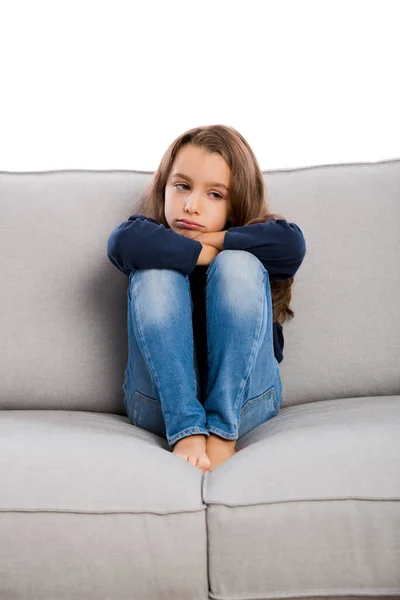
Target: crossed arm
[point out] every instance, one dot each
(212, 238)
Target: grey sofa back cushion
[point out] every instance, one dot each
(63, 335)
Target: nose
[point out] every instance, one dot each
(192, 203)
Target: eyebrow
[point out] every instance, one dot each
(213, 183)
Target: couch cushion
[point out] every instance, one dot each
(63, 304)
(92, 507)
(309, 505)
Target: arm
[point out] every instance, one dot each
(207, 254)
(279, 245)
(142, 243)
(212, 246)
(212, 238)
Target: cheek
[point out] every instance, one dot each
(170, 197)
(168, 200)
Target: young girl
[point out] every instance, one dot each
(210, 273)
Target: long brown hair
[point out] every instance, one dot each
(247, 195)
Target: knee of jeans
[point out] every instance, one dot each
(235, 274)
(159, 276)
(237, 261)
(158, 281)
(162, 288)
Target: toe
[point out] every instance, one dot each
(204, 462)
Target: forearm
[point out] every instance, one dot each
(212, 238)
(207, 254)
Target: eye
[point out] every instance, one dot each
(215, 193)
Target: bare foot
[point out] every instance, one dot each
(192, 448)
(219, 450)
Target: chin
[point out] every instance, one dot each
(184, 231)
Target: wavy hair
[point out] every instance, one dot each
(247, 193)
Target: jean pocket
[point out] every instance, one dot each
(145, 412)
(258, 410)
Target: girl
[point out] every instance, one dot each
(210, 273)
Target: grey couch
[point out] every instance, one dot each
(92, 507)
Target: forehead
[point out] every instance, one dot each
(196, 164)
(212, 183)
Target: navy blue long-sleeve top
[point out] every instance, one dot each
(142, 243)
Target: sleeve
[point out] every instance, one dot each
(278, 244)
(142, 243)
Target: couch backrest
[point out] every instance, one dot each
(63, 335)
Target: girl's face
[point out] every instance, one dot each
(195, 191)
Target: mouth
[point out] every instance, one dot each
(189, 225)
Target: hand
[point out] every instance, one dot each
(197, 237)
(212, 238)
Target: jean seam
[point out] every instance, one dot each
(187, 432)
(253, 355)
(221, 433)
(148, 356)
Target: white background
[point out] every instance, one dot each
(110, 84)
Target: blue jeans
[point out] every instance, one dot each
(162, 381)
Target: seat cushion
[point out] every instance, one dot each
(92, 507)
(309, 504)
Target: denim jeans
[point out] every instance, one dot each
(162, 381)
